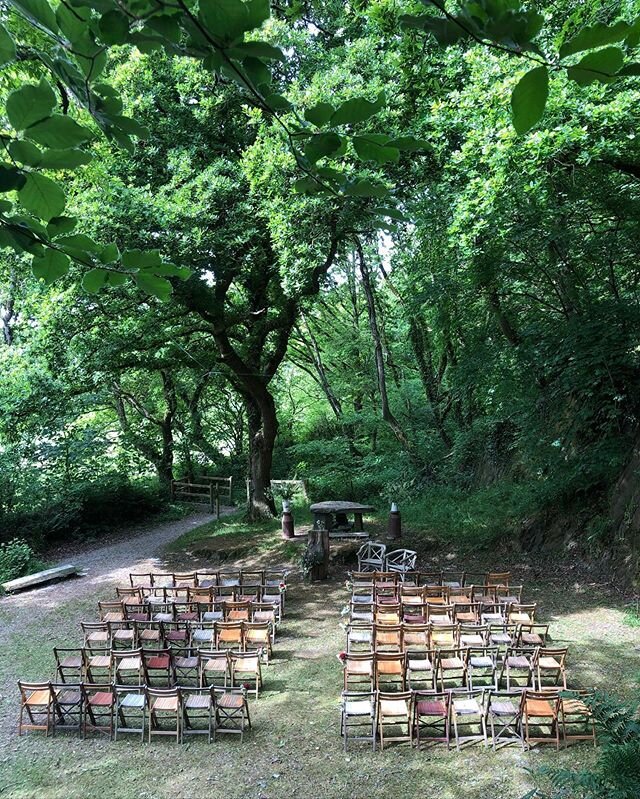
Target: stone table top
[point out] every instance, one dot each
(339, 507)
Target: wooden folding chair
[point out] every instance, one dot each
(358, 712)
(126, 666)
(390, 669)
(198, 706)
(230, 634)
(157, 667)
(481, 665)
(432, 715)
(540, 709)
(502, 717)
(387, 638)
(358, 670)
(232, 711)
(98, 703)
(257, 635)
(246, 666)
(395, 710)
(550, 662)
(165, 706)
(517, 664)
(67, 706)
(185, 665)
(451, 664)
(130, 710)
(467, 709)
(214, 667)
(576, 717)
(532, 635)
(69, 664)
(37, 701)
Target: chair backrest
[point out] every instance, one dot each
(372, 553)
(401, 560)
(497, 578)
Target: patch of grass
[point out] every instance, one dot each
(632, 617)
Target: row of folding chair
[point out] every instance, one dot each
(183, 608)
(192, 595)
(191, 635)
(428, 717)
(461, 666)
(118, 709)
(219, 577)
(394, 613)
(442, 594)
(164, 667)
(185, 612)
(451, 579)
(370, 636)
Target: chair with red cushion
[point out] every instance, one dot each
(432, 715)
(98, 704)
(157, 667)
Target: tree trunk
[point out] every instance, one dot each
(263, 428)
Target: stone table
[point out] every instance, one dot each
(324, 512)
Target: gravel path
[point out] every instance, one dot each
(104, 567)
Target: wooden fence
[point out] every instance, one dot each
(298, 486)
(210, 490)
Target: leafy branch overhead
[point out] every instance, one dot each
(508, 27)
(69, 49)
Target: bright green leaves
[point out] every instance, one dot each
(42, 196)
(38, 11)
(366, 188)
(358, 109)
(7, 47)
(154, 285)
(114, 27)
(64, 159)
(25, 152)
(96, 279)
(30, 104)
(601, 65)
(51, 266)
(529, 98)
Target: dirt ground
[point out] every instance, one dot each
(294, 749)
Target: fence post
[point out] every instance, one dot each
(217, 502)
(231, 490)
(211, 503)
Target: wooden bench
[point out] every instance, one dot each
(40, 578)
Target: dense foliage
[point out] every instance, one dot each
(389, 247)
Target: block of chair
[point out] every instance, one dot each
(148, 634)
(431, 717)
(395, 710)
(123, 634)
(36, 704)
(358, 717)
(388, 614)
(130, 710)
(67, 706)
(232, 712)
(502, 717)
(454, 579)
(497, 578)
(229, 634)
(185, 579)
(111, 610)
(141, 580)
(467, 710)
(165, 712)
(202, 634)
(444, 636)
(98, 704)
(96, 636)
(400, 560)
(473, 635)
(519, 613)
(96, 666)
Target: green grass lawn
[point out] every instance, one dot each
(295, 749)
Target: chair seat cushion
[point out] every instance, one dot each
(358, 667)
(432, 707)
(358, 708)
(503, 708)
(68, 697)
(198, 701)
(539, 707)
(452, 663)
(465, 707)
(129, 664)
(72, 662)
(100, 662)
(548, 663)
(133, 700)
(159, 662)
(42, 697)
(165, 703)
(390, 667)
(231, 701)
(186, 663)
(575, 707)
(101, 699)
(216, 664)
(481, 662)
(393, 707)
(518, 662)
(420, 664)
(531, 638)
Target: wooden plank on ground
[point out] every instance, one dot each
(40, 578)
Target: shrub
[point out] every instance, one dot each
(16, 559)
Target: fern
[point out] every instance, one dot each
(616, 771)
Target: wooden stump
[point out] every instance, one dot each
(318, 547)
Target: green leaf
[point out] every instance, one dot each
(114, 27)
(321, 145)
(414, 21)
(51, 266)
(38, 11)
(11, 178)
(171, 270)
(409, 143)
(277, 102)
(79, 243)
(446, 31)
(307, 186)
(529, 98)
(157, 286)
(319, 114)
(601, 66)
(259, 11)
(366, 188)
(109, 254)
(60, 225)
(25, 152)
(60, 132)
(357, 110)
(140, 259)
(256, 50)
(96, 279)
(7, 47)
(64, 159)
(131, 126)
(226, 20)
(73, 22)
(369, 150)
(29, 104)
(595, 36)
(42, 196)
(167, 26)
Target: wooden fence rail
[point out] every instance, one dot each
(208, 491)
